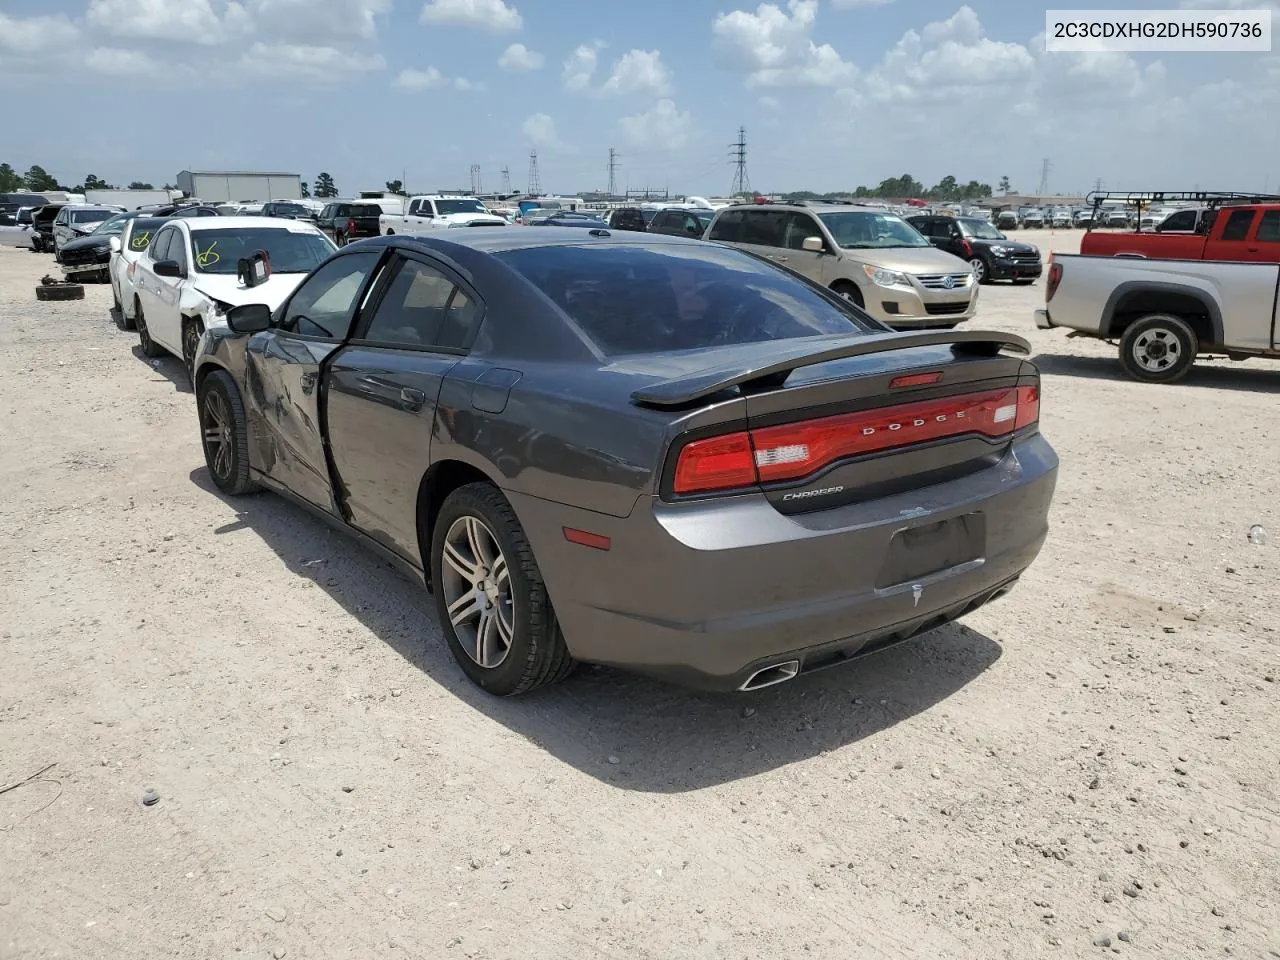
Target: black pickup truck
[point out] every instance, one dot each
(344, 221)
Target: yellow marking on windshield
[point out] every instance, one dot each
(208, 256)
(141, 240)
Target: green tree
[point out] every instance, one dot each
(10, 180)
(306, 190)
(37, 179)
(94, 182)
(139, 185)
(395, 186)
(1005, 186)
(325, 187)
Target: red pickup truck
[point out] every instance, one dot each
(1241, 232)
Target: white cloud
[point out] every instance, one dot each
(120, 63)
(854, 4)
(775, 47)
(312, 64)
(492, 15)
(324, 21)
(428, 79)
(580, 68)
(540, 130)
(32, 36)
(663, 125)
(638, 71)
(190, 20)
(519, 57)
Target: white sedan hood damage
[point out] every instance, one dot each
(229, 290)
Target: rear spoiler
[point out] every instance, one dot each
(783, 360)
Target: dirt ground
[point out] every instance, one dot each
(1093, 761)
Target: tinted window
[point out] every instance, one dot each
(178, 249)
(800, 226)
(728, 226)
(764, 228)
(638, 299)
(412, 311)
(323, 305)
(141, 232)
(1237, 227)
(1182, 220)
(362, 210)
(160, 248)
(1269, 227)
(290, 251)
(91, 216)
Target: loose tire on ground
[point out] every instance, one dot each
(535, 654)
(224, 434)
(60, 291)
(1158, 348)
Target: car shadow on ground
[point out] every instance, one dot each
(1214, 374)
(170, 368)
(630, 731)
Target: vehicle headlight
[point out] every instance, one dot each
(1001, 251)
(885, 278)
(1035, 250)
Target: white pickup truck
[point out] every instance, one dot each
(1165, 312)
(438, 212)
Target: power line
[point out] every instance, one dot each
(738, 153)
(506, 179)
(614, 157)
(535, 182)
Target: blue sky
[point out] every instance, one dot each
(833, 93)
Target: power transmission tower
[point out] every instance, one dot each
(506, 179)
(1045, 167)
(535, 182)
(614, 157)
(738, 153)
(1098, 185)
(476, 187)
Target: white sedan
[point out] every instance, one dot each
(188, 278)
(126, 250)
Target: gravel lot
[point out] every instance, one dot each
(1092, 761)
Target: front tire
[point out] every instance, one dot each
(224, 434)
(1158, 348)
(149, 347)
(492, 604)
(850, 291)
(191, 331)
(979, 267)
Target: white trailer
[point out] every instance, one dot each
(239, 186)
(129, 199)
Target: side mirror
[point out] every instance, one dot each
(114, 244)
(813, 244)
(168, 268)
(249, 318)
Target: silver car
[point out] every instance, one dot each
(869, 256)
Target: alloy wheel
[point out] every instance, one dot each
(190, 344)
(1156, 350)
(215, 422)
(477, 591)
(979, 268)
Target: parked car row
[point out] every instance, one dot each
(632, 449)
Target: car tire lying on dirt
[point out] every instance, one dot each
(1158, 348)
(491, 601)
(59, 290)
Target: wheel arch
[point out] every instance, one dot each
(440, 480)
(1140, 298)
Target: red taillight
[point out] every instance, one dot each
(796, 450)
(718, 463)
(915, 380)
(1055, 278)
(968, 249)
(351, 226)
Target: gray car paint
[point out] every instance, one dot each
(700, 590)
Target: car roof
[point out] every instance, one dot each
(243, 222)
(494, 240)
(94, 207)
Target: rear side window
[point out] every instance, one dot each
(1237, 226)
(1269, 228)
(764, 228)
(634, 299)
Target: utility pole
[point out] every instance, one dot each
(535, 182)
(738, 155)
(476, 186)
(1045, 167)
(614, 157)
(506, 180)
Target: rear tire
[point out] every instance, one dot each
(1158, 348)
(224, 434)
(502, 631)
(149, 347)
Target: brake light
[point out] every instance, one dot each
(795, 450)
(968, 249)
(351, 226)
(915, 380)
(1055, 278)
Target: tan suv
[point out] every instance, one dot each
(871, 256)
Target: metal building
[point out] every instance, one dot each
(230, 186)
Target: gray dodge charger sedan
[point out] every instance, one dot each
(637, 450)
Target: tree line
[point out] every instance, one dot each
(896, 188)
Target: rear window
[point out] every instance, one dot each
(365, 210)
(143, 230)
(633, 299)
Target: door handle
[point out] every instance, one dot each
(308, 382)
(412, 399)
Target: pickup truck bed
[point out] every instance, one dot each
(1165, 312)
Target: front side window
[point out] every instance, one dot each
(290, 251)
(323, 306)
(863, 230)
(801, 226)
(444, 207)
(638, 299)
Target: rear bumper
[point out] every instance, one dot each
(1043, 321)
(706, 594)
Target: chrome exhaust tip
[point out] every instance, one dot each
(771, 675)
